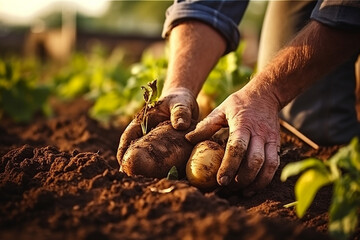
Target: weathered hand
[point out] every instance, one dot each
(251, 155)
(179, 105)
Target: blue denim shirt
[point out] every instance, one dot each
(343, 14)
(225, 15)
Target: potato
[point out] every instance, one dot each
(155, 153)
(203, 164)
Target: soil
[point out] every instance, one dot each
(59, 179)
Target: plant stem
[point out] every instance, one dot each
(289, 205)
(144, 122)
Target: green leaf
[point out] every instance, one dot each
(347, 158)
(77, 85)
(355, 154)
(307, 186)
(153, 87)
(344, 208)
(173, 174)
(295, 168)
(342, 228)
(150, 97)
(106, 105)
(22, 101)
(146, 94)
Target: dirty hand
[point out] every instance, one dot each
(251, 154)
(179, 105)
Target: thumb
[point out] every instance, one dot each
(180, 116)
(132, 132)
(207, 127)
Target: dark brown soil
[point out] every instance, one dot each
(59, 179)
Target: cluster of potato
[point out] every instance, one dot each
(154, 154)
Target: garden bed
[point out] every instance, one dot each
(59, 179)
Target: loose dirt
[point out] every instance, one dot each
(59, 179)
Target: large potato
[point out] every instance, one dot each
(155, 153)
(203, 164)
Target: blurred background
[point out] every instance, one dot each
(56, 28)
(102, 51)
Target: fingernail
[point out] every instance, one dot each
(180, 121)
(224, 180)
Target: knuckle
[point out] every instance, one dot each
(256, 160)
(273, 165)
(180, 111)
(179, 106)
(236, 151)
(236, 147)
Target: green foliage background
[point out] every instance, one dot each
(21, 93)
(113, 86)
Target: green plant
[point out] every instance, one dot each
(229, 75)
(150, 98)
(123, 97)
(115, 88)
(173, 174)
(343, 171)
(21, 93)
(105, 79)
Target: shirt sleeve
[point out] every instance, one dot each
(223, 15)
(341, 14)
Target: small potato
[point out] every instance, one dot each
(154, 154)
(203, 164)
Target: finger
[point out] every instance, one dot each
(267, 172)
(234, 153)
(133, 131)
(180, 116)
(252, 164)
(207, 127)
(154, 117)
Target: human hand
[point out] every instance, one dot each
(179, 105)
(251, 154)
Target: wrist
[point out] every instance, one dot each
(258, 89)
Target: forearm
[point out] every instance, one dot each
(194, 50)
(314, 52)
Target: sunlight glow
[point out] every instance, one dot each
(21, 12)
